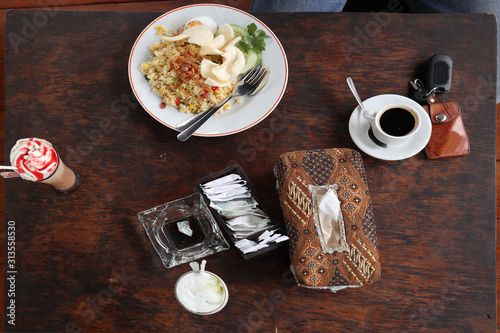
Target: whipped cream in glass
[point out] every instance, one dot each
(38, 161)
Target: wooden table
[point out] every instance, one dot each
(83, 261)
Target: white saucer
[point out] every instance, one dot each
(358, 128)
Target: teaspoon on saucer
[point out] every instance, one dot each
(350, 83)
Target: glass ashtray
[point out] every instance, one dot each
(183, 230)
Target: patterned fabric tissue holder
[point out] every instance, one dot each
(329, 218)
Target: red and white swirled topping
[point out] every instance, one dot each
(34, 159)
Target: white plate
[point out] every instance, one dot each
(240, 116)
(358, 128)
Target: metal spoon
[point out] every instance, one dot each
(365, 113)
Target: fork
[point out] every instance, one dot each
(247, 85)
(190, 121)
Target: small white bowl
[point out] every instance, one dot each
(194, 301)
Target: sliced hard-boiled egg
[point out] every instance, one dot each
(205, 20)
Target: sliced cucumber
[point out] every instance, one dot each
(252, 59)
(239, 31)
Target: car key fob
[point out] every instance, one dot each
(439, 69)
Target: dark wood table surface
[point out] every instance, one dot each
(83, 261)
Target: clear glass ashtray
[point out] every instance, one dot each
(183, 230)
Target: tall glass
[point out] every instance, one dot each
(38, 161)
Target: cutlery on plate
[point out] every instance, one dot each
(251, 82)
(365, 113)
(187, 123)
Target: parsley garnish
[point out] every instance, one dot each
(255, 40)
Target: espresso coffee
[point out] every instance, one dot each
(397, 121)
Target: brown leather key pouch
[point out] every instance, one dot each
(448, 138)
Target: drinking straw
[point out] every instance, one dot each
(6, 167)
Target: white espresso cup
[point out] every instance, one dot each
(394, 124)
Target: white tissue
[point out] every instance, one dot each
(329, 208)
(328, 219)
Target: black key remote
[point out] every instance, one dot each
(439, 69)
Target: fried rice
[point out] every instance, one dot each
(174, 75)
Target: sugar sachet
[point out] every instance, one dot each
(235, 213)
(237, 193)
(249, 220)
(222, 180)
(237, 204)
(185, 228)
(233, 200)
(265, 239)
(225, 187)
